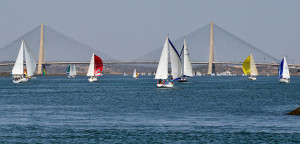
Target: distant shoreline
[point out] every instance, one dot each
(8, 75)
(1, 74)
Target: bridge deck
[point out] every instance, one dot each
(149, 62)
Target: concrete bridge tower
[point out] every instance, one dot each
(41, 52)
(211, 66)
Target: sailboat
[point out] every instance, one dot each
(249, 68)
(162, 68)
(44, 70)
(71, 71)
(283, 71)
(187, 65)
(20, 74)
(95, 68)
(135, 74)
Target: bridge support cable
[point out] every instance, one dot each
(228, 48)
(57, 47)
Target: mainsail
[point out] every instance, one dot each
(176, 65)
(162, 69)
(187, 65)
(18, 67)
(91, 67)
(73, 70)
(134, 73)
(30, 60)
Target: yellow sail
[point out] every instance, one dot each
(253, 70)
(246, 66)
(249, 67)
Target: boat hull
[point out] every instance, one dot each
(93, 79)
(284, 81)
(183, 79)
(165, 85)
(251, 78)
(159, 85)
(20, 80)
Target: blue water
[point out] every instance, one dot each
(121, 109)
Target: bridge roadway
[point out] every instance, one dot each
(151, 62)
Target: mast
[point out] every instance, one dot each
(211, 66)
(41, 53)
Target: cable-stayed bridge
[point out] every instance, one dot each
(50, 46)
(207, 45)
(228, 48)
(58, 47)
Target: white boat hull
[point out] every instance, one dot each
(251, 78)
(159, 85)
(165, 85)
(20, 80)
(169, 85)
(93, 79)
(284, 80)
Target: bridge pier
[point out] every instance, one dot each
(211, 66)
(41, 52)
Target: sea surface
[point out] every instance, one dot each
(120, 109)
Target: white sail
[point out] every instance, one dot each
(162, 68)
(91, 67)
(72, 70)
(176, 64)
(18, 68)
(134, 73)
(187, 65)
(30, 60)
(253, 70)
(285, 69)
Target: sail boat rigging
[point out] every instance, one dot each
(249, 68)
(283, 71)
(135, 74)
(95, 68)
(71, 71)
(162, 68)
(187, 65)
(19, 73)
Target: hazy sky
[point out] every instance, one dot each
(127, 29)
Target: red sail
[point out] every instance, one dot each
(98, 66)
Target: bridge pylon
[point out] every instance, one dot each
(211, 66)
(41, 51)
